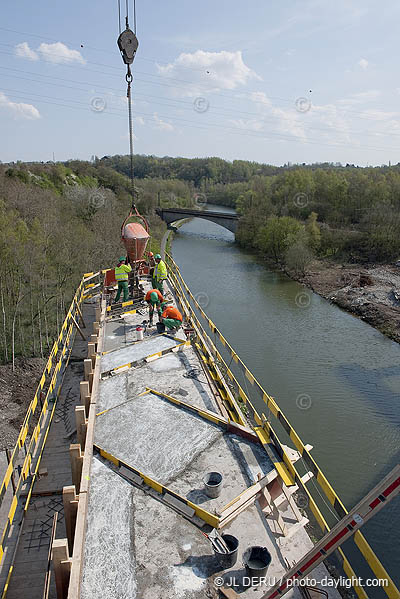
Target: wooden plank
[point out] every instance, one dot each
(224, 521)
(80, 314)
(70, 502)
(46, 589)
(78, 327)
(249, 493)
(80, 420)
(62, 567)
(80, 529)
(228, 593)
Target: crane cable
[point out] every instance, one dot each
(128, 44)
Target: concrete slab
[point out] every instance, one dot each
(170, 556)
(154, 436)
(135, 352)
(170, 374)
(138, 547)
(109, 564)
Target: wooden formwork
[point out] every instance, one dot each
(69, 567)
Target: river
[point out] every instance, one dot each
(335, 377)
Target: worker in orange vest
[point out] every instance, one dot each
(171, 317)
(154, 298)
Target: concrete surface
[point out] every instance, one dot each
(109, 539)
(138, 547)
(135, 352)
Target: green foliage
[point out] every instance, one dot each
(298, 256)
(313, 232)
(277, 236)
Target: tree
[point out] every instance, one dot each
(277, 235)
(313, 232)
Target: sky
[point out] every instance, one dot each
(272, 81)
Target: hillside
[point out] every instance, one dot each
(57, 222)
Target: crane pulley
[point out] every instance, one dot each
(128, 44)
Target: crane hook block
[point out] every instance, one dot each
(128, 44)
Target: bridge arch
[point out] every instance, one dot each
(170, 215)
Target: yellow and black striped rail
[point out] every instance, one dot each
(51, 378)
(372, 560)
(200, 512)
(158, 354)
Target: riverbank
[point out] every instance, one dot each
(370, 292)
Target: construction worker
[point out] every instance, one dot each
(160, 273)
(171, 317)
(121, 275)
(154, 299)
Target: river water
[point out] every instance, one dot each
(336, 378)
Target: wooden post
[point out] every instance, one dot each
(85, 395)
(80, 419)
(70, 501)
(87, 365)
(62, 567)
(80, 314)
(78, 327)
(8, 456)
(96, 327)
(93, 338)
(97, 313)
(91, 350)
(76, 456)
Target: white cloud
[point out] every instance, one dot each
(211, 71)
(317, 121)
(19, 110)
(261, 98)
(24, 51)
(361, 97)
(162, 125)
(363, 63)
(59, 53)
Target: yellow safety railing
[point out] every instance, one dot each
(46, 397)
(361, 543)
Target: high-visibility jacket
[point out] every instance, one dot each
(160, 271)
(121, 272)
(171, 312)
(159, 294)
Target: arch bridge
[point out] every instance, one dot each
(170, 215)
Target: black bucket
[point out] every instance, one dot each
(227, 560)
(160, 327)
(213, 484)
(256, 560)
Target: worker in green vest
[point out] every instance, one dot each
(121, 276)
(159, 274)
